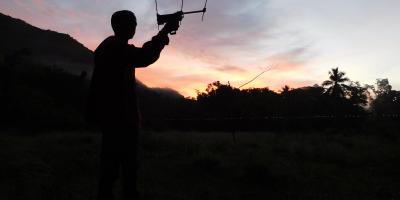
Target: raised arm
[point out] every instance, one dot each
(150, 52)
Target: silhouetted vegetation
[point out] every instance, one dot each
(38, 92)
(40, 97)
(387, 101)
(34, 96)
(337, 140)
(337, 97)
(194, 166)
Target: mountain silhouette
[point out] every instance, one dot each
(44, 46)
(51, 48)
(157, 91)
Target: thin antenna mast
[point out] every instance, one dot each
(253, 79)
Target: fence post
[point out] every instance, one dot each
(234, 137)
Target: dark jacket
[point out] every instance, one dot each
(112, 95)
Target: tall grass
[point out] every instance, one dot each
(194, 165)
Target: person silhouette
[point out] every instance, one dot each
(112, 103)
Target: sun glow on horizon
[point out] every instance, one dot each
(237, 40)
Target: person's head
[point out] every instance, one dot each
(123, 23)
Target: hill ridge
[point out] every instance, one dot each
(45, 46)
(71, 55)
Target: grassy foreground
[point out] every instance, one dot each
(208, 166)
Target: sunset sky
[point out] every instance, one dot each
(300, 40)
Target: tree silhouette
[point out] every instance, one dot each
(387, 101)
(336, 83)
(357, 94)
(285, 91)
(382, 87)
(219, 99)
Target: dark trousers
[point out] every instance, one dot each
(118, 156)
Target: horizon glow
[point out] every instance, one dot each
(237, 40)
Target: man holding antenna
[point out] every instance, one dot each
(112, 103)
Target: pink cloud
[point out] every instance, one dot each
(227, 46)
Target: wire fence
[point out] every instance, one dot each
(275, 123)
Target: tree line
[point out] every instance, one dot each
(37, 96)
(337, 96)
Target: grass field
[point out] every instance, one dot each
(208, 166)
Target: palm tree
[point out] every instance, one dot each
(336, 85)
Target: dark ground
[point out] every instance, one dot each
(195, 165)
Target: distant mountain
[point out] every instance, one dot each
(44, 46)
(158, 92)
(54, 49)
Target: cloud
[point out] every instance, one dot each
(236, 40)
(230, 68)
(230, 27)
(291, 59)
(237, 35)
(232, 31)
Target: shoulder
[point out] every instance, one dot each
(131, 47)
(106, 43)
